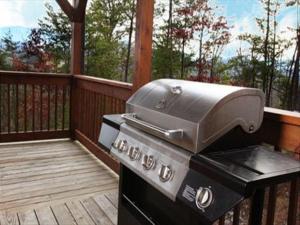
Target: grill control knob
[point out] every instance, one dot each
(123, 146)
(204, 197)
(148, 162)
(165, 173)
(117, 143)
(134, 153)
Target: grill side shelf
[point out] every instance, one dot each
(247, 169)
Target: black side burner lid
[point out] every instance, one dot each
(247, 168)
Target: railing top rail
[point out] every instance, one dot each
(104, 81)
(283, 116)
(18, 73)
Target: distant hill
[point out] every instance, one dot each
(18, 33)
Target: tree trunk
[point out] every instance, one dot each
(129, 42)
(200, 53)
(170, 39)
(266, 43)
(253, 68)
(293, 99)
(272, 74)
(212, 68)
(182, 58)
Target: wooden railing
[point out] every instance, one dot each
(39, 106)
(34, 106)
(280, 130)
(93, 98)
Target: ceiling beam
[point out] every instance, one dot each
(80, 6)
(67, 8)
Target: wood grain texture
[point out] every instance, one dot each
(95, 212)
(67, 8)
(46, 172)
(143, 43)
(45, 216)
(281, 128)
(28, 218)
(79, 213)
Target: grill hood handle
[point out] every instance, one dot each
(132, 120)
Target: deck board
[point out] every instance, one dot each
(55, 183)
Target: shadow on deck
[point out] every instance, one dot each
(55, 182)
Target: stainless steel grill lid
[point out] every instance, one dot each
(193, 115)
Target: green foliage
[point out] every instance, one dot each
(106, 27)
(7, 51)
(105, 60)
(56, 30)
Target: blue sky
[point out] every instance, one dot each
(240, 14)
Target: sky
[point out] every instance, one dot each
(24, 14)
(241, 15)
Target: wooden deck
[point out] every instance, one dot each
(55, 183)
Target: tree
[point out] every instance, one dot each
(131, 17)
(8, 52)
(56, 31)
(213, 34)
(36, 58)
(105, 28)
(293, 70)
(183, 29)
(267, 48)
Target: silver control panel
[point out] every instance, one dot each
(165, 168)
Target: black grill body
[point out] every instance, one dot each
(233, 172)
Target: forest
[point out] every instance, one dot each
(188, 43)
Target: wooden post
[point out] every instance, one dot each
(77, 67)
(77, 48)
(143, 43)
(77, 58)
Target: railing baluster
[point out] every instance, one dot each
(25, 107)
(41, 107)
(88, 118)
(236, 215)
(272, 199)
(1, 108)
(95, 115)
(271, 205)
(79, 113)
(293, 202)
(222, 220)
(48, 107)
(55, 105)
(33, 107)
(63, 107)
(257, 206)
(17, 108)
(8, 108)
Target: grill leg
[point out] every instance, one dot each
(257, 207)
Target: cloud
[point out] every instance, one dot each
(288, 21)
(24, 13)
(241, 26)
(246, 23)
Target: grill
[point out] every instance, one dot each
(189, 153)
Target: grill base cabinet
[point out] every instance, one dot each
(140, 203)
(188, 154)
